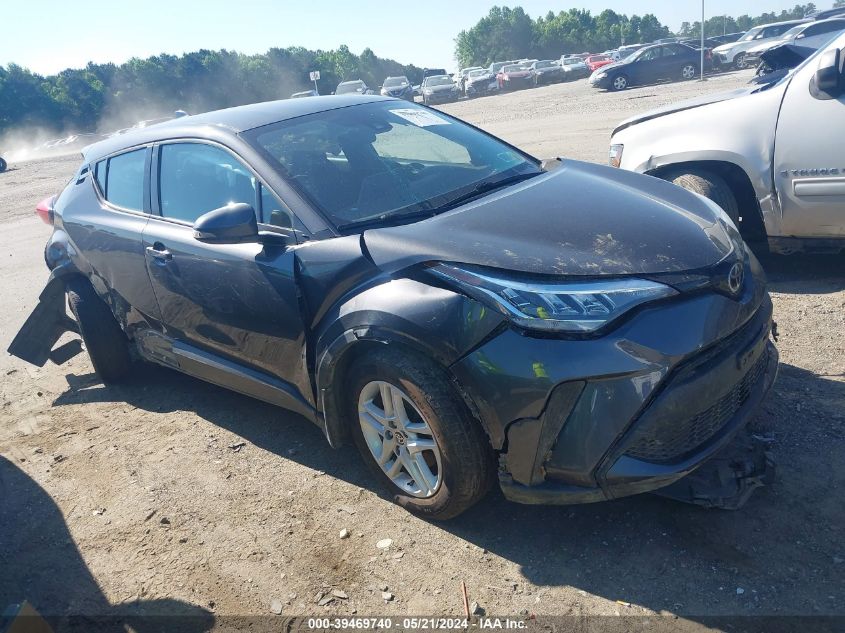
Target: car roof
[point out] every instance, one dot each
(229, 121)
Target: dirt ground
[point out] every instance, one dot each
(172, 495)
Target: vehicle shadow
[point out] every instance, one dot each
(645, 550)
(804, 274)
(40, 564)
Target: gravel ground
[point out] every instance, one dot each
(172, 495)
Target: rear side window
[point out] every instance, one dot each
(195, 178)
(100, 175)
(125, 180)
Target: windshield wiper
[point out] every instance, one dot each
(484, 187)
(428, 210)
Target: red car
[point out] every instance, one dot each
(514, 76)
(594, 62)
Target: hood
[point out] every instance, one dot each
(440, 88)
(397, 89)
(487, 77)
(517, 73)
(683, 105)
(580, 219)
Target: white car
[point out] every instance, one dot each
(734, 54)
(810, 35)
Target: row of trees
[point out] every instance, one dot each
(510, 33)
(109, 96)
(719, 24)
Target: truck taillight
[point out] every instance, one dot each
(44, 210)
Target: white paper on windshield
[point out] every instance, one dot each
(420, 118)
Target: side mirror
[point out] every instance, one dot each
(828, 81)
(232, 224)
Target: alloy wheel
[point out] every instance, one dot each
(688, 71)
(400, 440)
(620, 83)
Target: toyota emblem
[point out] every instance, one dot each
(735, 278)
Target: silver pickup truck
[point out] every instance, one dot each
(772, 156)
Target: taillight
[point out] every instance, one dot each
(44, 210)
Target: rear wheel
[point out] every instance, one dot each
(710, 185)
(105, 341)
(417, 435)
(689, 71)
(619, 82)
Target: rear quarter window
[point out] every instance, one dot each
(125, 180)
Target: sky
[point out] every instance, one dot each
(49, 35)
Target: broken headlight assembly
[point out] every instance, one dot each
(574, 306)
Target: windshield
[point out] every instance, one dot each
(349, 86)
(477, 73)
(381, 161)
(395, 82)
(514, 68)
(543, 65)
(751, 34)
(445, 80)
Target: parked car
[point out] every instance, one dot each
(811, 35)
(727, 38)
(652, 63)
(461, 76)
(734, 54)
(546, 72)
(433, 72)
(323, 255)
(398, 87)
(515, 76)
(496, 67)
(573, 68)
(356, 86)
(480, 82)
(305, 93)
(439, 89)
(771, 156)
(594, 62)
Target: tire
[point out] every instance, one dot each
(688, 72)
(619, 82)
(3, 165)
(461, 460)
(739, 61)
(710, 185)
(105, 341)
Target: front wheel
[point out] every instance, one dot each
(417, 434)
(689, 71)
(619, 82)
(710, 185)
(740, 62)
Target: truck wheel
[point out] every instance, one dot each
(619, 82)
(710, 185)
(417, 434)
(105, 341)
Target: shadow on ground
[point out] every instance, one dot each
(643, 550)
(40, 564)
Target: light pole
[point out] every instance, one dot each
(702, 40)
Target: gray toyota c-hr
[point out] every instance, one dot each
(458, 310)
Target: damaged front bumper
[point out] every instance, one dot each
(633, 412)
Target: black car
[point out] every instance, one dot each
(728, 38)
(653, 63)
(456, 309)
(398, 87)
(546, 72)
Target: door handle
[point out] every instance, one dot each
(159, 253)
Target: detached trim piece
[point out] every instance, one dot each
(34, 342)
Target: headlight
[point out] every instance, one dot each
(601, 75)
(576, 306)
(616, 155)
